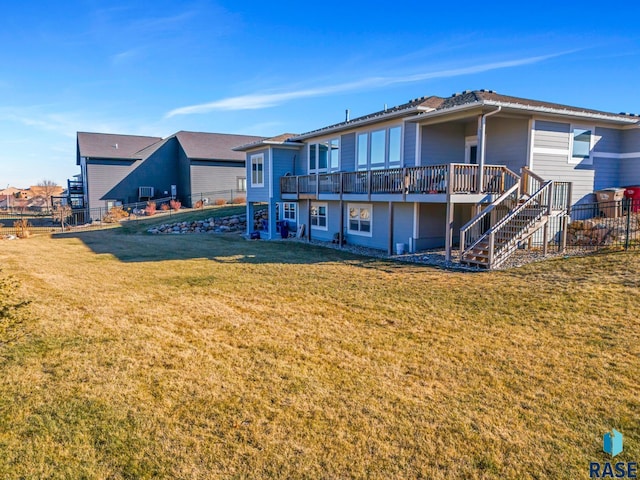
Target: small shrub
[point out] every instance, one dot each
(115, 214)
(22, 228)
(199, 204)
(239, 200)
(175, 204)
(220, 201)
(165, 207)
(150, 209)
(61, 213)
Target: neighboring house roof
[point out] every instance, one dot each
(264, 142)
(433, 106)
(53, 190)
(196, 145)
(107, 145)
(9, 191)
(213, 146)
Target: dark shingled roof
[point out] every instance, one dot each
(197, 145)
(422, 103)
(278, 139)
(426, 105)
(482, 96)
(213, 146)
(107, 145)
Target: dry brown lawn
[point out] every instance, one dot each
(213, 357)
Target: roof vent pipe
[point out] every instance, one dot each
(346, 115)
(385, 107)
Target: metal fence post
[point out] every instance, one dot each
(628, 233)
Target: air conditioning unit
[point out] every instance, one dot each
(145, 193)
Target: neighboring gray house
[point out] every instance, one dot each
(478, 168)
(121, 169)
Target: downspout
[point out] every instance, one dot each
(481, 140)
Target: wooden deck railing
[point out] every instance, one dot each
(454, 178)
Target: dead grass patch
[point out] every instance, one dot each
(178, 357)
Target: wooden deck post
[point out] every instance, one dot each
(448, 234)
(308, 219)
(390, 247)
(341, 234)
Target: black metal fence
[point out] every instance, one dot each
(594, 226)
(19, 222)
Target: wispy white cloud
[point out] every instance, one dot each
(125, 56)
(65, 124)
(256, 101)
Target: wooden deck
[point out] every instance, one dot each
(437, 182)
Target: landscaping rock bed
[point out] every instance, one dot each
(233, 223)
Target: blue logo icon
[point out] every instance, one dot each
(612, 442)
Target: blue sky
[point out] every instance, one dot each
(265, 68)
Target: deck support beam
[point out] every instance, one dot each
(390, 246)
(308, 219)
(448, 234)
(341, 233)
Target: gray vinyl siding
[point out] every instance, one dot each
(184, 172)
(409, 147)
(219, 177)
(106, 181)
(333, 220)
(302, 164)
(556, 167)
(507, 140)
(120, 179)
(258, 194)
(631, 140)
(630, 172)
(551, 135)
(431, 226)
(443, 143)
(348, 152)
(609, 140)
(282, 163)
(402, 223)
(379, 226)
(606, 172)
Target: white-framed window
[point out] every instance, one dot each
(379, 149)
(324, 156)
(360, 218)
(319, 216)
(241, 184)
(289, 211)
(581, 145)
(257, 170)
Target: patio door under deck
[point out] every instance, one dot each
(471, 150)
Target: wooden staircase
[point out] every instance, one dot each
(487, 241)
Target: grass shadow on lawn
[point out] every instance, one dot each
(221, 248)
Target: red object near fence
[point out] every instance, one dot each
(634, 194)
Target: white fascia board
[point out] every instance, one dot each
(563, 112)
(424, 117)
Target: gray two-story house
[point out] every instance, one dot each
(122, 169)
(480, 169)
